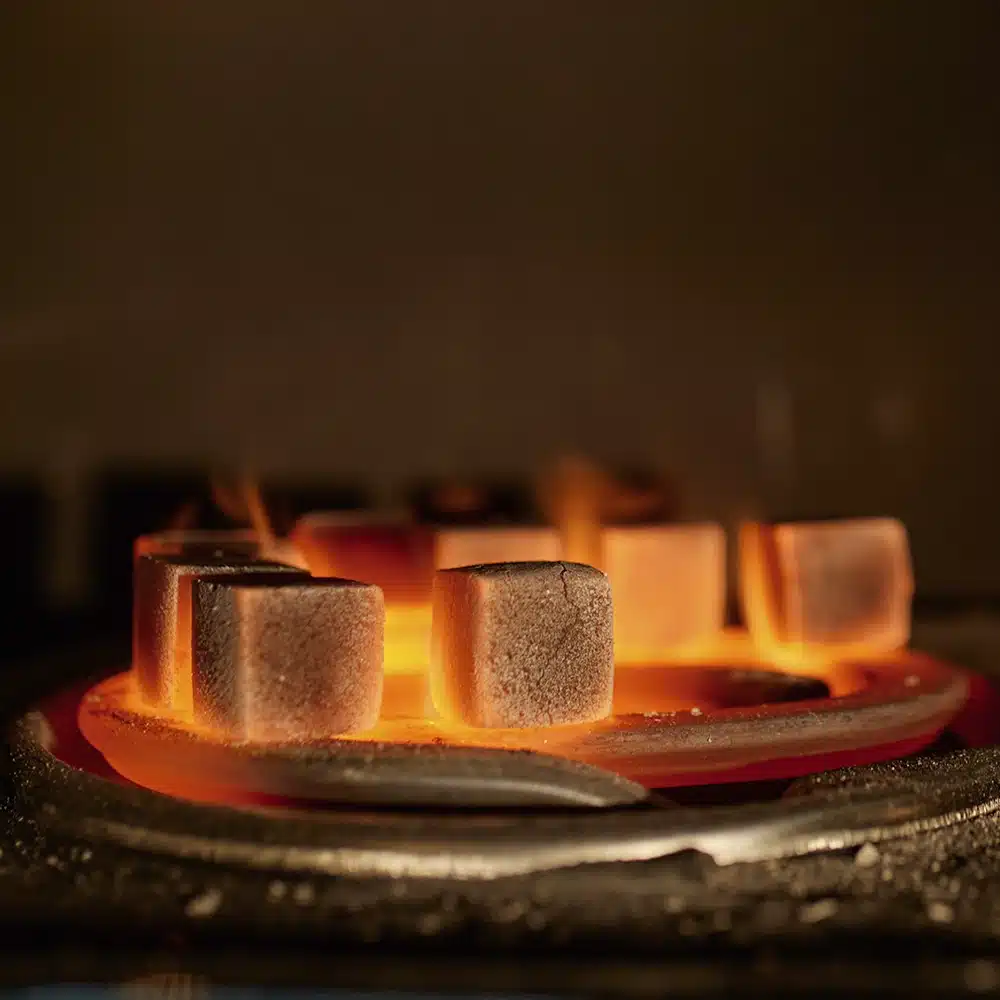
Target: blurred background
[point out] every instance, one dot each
(750, 247)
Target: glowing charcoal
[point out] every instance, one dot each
(287, 660)
(519, 645)
(161, 627)
(399, 558)
(475, 546)
(827, 589)
(669, 585)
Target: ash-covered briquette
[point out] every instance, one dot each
(854, 580)
(278, 659)
(161, 621)
(839, 584)
(669, 582)
(519, 645)
(398, 557)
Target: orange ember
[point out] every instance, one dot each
(880, 709)
(243, 502)
(472, 546)
(398, 557)
(829, 600)
(572, 497)
(669, 586)
(820, 592)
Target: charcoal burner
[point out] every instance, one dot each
(876, 712)
(494, 813)
(686, 894)
(856, 806)
(725, 804)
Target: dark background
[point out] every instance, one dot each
(751, 244)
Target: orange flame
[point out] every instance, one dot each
(243, 502)
(572, 498)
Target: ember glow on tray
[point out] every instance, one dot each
(821, 592)
(814, 594)
(398, 557)
(506, 636)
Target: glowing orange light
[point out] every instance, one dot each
(572, 497)
(397, 557)
(651, 737)
(473, 546)
(669, 587)
(243, 502)
(819, 592)
(829, 599)
(162, 620)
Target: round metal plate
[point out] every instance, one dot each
(827, 812)
(889, 708)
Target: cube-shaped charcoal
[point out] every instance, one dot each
(669, 585)
(840, 586)
(398, 557)
(522, 644)
(161, 621)
(279, 659)
(475, 546)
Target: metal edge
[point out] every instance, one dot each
(834, 811)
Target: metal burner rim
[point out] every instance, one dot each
(837, 810)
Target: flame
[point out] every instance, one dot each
(260, 520)
(243, 502)
(407, 638)
(397, 556)
(572, 496)
(669, 588)
(470, 546)
(668, 583)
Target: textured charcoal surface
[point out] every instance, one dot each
(846, 581)
(523, 644)
(287, 659)
(162, 606)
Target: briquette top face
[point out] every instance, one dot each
(291, 582)
(523, 569)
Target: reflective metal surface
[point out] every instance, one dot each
(837, 810)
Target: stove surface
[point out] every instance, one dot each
(914, 909)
